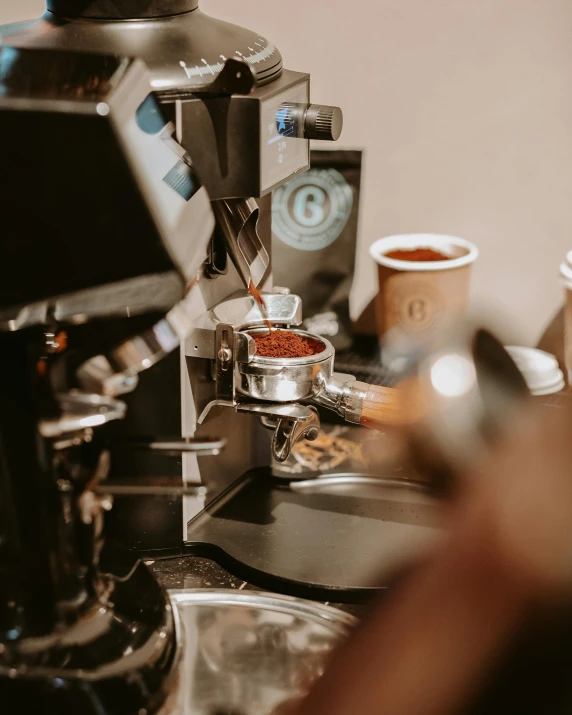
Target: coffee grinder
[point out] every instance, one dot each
(105, 225)
(247, 122)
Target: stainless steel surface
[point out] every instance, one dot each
(355, 479)
(241, 312)
(251, 652)
(201, 447)
(238, 221)
(291, 422)
(81, 412)
(224, 365)
(343, 394)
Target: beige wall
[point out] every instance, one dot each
(16, 10)
(464, 108)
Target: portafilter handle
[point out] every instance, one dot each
(360, 403)
(452, 403)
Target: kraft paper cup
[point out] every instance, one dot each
(566, 273)
(419, 298)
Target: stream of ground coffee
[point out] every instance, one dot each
(261, 303)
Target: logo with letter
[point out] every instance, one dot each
(310, 212)
(416, 308)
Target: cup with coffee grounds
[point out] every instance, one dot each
(424, 282)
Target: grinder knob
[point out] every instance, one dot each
(323, 122)
(310, 121)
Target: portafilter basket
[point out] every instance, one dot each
(312, 378)
(286, 379)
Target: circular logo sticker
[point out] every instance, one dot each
(311, 211)
(416, 308)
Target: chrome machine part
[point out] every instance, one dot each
(238, 221)
(286, 379)
(241, 313)
(253, 652)
(342, 394)
(276, 384)
(80, 412)
(289, 422)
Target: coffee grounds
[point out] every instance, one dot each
(285, 344)
(417, 254)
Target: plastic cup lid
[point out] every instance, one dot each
(539, 369)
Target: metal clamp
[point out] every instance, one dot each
(224, 368)
(343, 394)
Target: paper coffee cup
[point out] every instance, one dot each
(420, 298)
(566, 273)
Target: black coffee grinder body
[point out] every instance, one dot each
(99, 245)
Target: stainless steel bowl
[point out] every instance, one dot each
(286, 379)
(249, 653)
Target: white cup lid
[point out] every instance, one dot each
(539, 369)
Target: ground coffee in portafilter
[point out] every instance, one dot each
(314, 228)
(286, 344)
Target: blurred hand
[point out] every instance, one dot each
(508, 551)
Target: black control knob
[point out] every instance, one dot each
(323, 122)
(310, 121)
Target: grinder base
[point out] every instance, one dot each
(132, 667)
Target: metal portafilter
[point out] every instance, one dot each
(449, 403)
